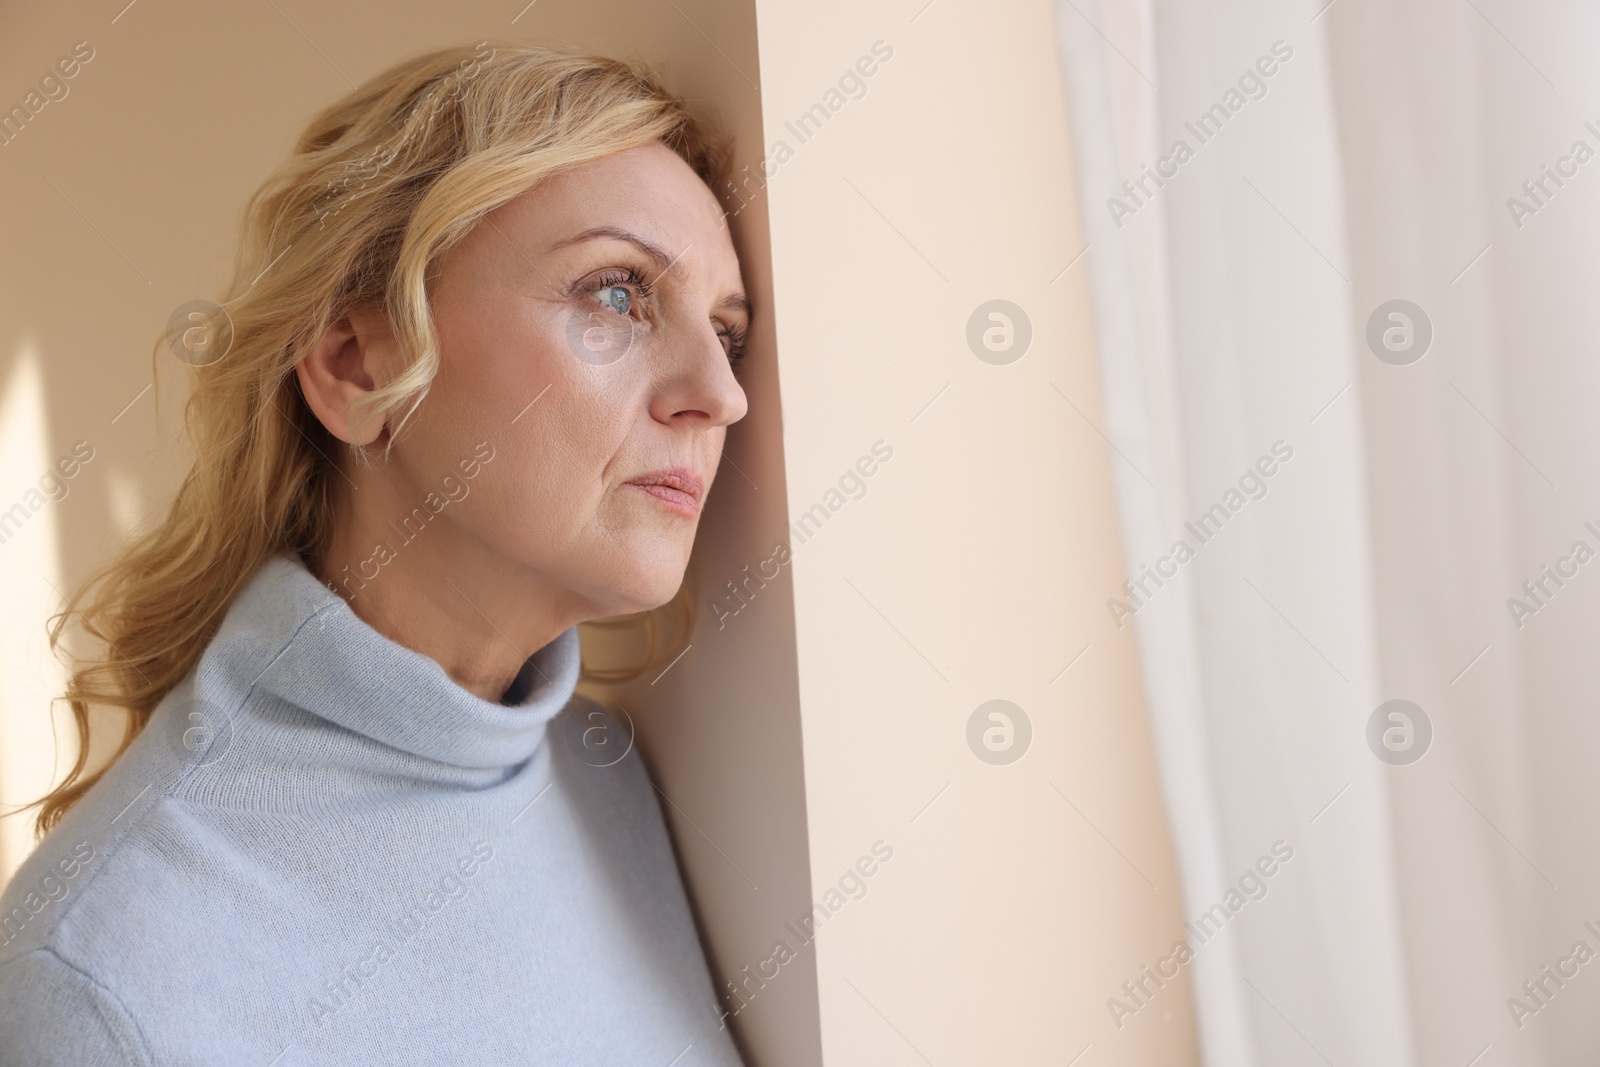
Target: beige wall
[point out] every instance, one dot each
(975, 567)
(1022, 895)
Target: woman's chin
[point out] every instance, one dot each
(646, 593)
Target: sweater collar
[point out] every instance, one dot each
(328, 661)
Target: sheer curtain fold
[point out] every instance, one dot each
(1222, 305)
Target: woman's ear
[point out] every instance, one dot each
(344, 365)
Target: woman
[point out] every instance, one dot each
(470, 390)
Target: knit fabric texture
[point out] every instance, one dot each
(323, 850)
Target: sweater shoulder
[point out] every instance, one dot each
(91, 893)
(53, 1014)
(596, 757)
(600, 737)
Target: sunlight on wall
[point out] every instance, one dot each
(30, 571)
(126, 500)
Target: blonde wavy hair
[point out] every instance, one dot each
(378, 187)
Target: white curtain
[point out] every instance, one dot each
(1337, 158)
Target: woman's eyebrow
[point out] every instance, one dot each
(612, 233)
(657, 254)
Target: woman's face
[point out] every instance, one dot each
(588, 334)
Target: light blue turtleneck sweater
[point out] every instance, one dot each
(322, 850)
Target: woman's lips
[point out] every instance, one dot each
(678, 488)
(673, 499)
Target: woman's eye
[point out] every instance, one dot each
(618, 298)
